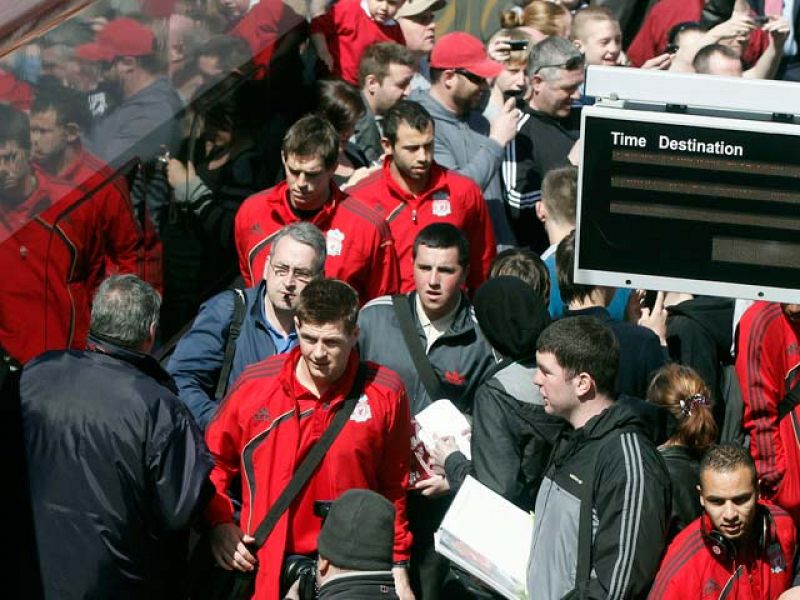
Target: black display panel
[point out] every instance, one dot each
(711, 207)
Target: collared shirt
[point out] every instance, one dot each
(434, 329)
(282, 344)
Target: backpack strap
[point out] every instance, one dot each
(422, 363)
(239, 306)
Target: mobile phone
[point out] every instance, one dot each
(671, 48)
(517, 44)
(761, 19)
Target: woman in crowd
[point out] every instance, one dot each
(682, 391)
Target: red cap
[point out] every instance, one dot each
(459, 50)
(121, 37)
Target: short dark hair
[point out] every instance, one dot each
(328, 301)
(565, 266)
(409, 112)
(312, 135)
(444, 235)
(69, 105)
(340, 103)
(377, 58)
(524, 264)
(14, 127)
(584, 345)
(725, 458)
(702, 60)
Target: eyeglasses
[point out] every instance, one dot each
(301, 275)
(571, 64)
(476, 79)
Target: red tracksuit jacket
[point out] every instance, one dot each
(46, 264)
(256, 433)
(348, 31)
(450, 198)
(691, 570)
(360, 247)
(768, 365)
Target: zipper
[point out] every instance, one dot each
(728, 587)
(414, 215)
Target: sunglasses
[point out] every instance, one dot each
(476, 79)
(571, 64)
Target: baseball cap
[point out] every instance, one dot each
(459, 50)
(412, 8)
(120, 37)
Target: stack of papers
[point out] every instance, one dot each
(443, 419)
(493, 550)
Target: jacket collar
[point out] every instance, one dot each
(144, 362)
(334, 395)
(464, 321)
(598, 312)
(279, 200)
(437, 181)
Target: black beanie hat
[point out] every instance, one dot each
(511, 316)
(358, 532)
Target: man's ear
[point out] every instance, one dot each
(73, 132)
(583, 384)
(579, 45)
(541, 211)
(700, 493)
(387, 146)
(371, 84)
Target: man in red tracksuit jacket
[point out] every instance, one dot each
(277, 410)
(740, 548)
(58, 116)
(359, 246)
(49, 246)
(412, 191)
(768, 367)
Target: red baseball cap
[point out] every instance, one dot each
(121, 37)
(459, 50)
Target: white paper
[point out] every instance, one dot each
(441, 419)
(496, 549)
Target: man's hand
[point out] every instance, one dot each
(504, 125)
(778, 29)
(660, 62)
(574, 156)
(360, 174)
(229, 550)
(433, 486)
(402, 584)
(177, 173)
(499, 49)
(443, 448)
(656, 320)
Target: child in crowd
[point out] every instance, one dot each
(596, 33)
(341, 35)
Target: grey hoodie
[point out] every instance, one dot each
(463, 144)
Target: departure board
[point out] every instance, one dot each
(698, 204)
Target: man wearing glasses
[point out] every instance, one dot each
(266, 328)
(464, 140)
(546, 134)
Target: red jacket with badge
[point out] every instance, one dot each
(360, 247)
(257, 432)
(49, 245)
(768, 366)
(450, 198)
(694, 568)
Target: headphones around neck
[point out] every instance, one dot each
(725, 549)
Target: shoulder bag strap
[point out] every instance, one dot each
(311, 461)
(421, 362)
(239, 306)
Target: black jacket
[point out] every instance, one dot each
(699, 335)
(684, 472)
(511, 437)
(116, 465)
(360, 585)
(630, 495)
(640, 352)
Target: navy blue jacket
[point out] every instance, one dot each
(198, 357)
(116, 466)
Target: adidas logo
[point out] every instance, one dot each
(261, 415)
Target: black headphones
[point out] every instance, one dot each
(723, 548)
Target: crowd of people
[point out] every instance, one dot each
(245, 242)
